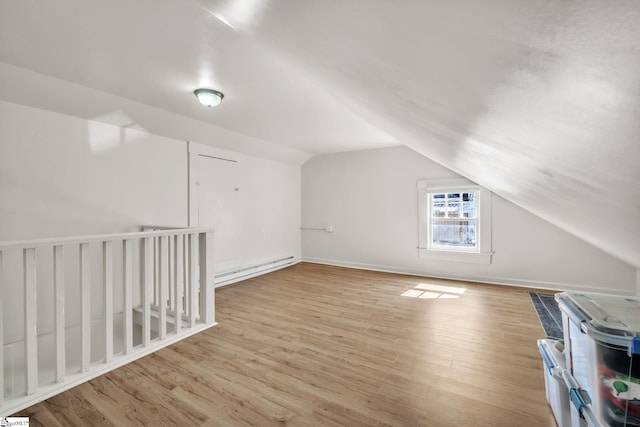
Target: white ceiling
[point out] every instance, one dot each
(539, 101)
(157, 52)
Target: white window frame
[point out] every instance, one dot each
(482, 253)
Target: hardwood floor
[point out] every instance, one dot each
(314, 345)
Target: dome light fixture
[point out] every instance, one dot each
(209, 97)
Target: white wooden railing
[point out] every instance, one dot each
(74, 308)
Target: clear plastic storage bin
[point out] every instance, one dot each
(602, 354)
(554, 383)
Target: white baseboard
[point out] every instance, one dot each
(552, 286)
(243, 273)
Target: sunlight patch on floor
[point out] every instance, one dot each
(433, 291)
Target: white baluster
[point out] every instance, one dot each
(58, 288)
(147, 290)
(187, 280)
(179, 281)
(193, 293)
(85, 309)
(207, 302)
(156, 270)
(127, 280)
(172, 272)
(163, 263)
(30, 320)
(107, 276)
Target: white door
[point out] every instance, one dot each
(218, 207)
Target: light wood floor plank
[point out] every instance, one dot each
(315, 345)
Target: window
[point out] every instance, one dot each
(455, 221)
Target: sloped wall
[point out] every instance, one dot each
(370, 198)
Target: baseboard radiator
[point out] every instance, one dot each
(236, 275)
(76, 308)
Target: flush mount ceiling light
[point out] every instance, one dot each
(209, 97)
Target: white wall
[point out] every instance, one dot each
(62, 176)
(270, 207)
(268, 223)
(370, 198)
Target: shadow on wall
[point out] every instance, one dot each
(110, 131)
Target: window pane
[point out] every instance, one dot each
(439, 205)
(453, 205)
(469, 205)
(454, 233)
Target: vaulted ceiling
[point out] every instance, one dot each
(539, 101)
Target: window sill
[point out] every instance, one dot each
(455, 256)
